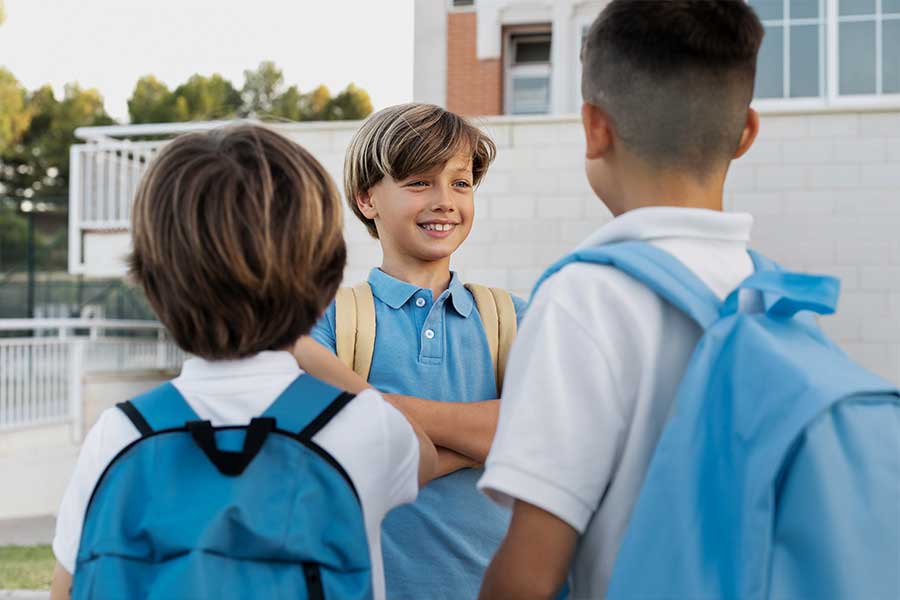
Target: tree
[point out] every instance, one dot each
(206, 99)
(151, 102)
(290, 105)
(262, 87)
(317, 105)
(38, 165)
(14, 114)
(351, 104)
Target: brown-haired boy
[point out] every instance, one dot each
(667, 87)
(238, 246)
(409, 176)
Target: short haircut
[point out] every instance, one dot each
(675, 77)
(409, 139)
(238, 241)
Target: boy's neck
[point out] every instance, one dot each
(648, 188)
(433, 275)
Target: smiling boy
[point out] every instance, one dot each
(410, 176)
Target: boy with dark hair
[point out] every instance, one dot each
(238, 246)
(592, 378)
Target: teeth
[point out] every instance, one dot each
(437, 226)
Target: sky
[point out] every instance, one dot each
(109, 44)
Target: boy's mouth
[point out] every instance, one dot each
(438, 229)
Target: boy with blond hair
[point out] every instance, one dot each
(409, 177)
(238, 246)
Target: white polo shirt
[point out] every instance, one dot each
(371, 439)
(592, 377)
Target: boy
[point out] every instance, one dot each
(409, 177)
(667, 88)
(238, 247)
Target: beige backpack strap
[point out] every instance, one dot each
(354, 318)
(498, 315)
(365, 329)
(507, 328)
(487, 308)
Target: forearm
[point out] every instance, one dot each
(449, 462)
(533, 559)
(320, 362)
(61, 584)
(464, 427)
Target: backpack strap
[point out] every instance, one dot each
(655, 268)
(354, 316)
(306, 406)
(498, 316)
(161, 408)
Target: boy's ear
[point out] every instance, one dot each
(597, 130)
(366, 205)
(748, 135)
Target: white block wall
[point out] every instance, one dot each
(824, 189)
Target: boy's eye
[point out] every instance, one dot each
(416, 183)
(462, 183)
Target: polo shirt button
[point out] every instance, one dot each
(429, 333)
(420, 302)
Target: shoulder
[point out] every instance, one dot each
(112, 433)
(370, 433)
(377, 447)
(595, 295)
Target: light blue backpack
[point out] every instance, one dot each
(255, 511)
(778, 477)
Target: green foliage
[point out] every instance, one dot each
(26, 567)
(263, 96)
(351, 104)
(38, 164)
(14, 117)
(151, 102)
(262, 87)
(206, 98)
(37, 129)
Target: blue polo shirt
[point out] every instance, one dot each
(439, 546)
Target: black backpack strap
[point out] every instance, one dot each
(229, 462)
(325, 416)
(306, 406)
(136, 418)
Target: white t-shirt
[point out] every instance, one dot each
(369, 438)
(592, 377)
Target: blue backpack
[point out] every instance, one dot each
(189, 510)
(778, 475)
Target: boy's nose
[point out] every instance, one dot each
(443, 202)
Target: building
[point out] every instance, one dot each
(521, 57)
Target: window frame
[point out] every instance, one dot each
(452, 7)
(512, 71)
(831, 98)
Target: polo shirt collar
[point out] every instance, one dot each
(658, 222)
(462, 299)
(395, 292)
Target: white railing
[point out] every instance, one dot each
(41, 375)
(104, 172)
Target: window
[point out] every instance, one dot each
(830, 51)
(868, 47)
(792, 57)
(528, 74)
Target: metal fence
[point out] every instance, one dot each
(41, 372)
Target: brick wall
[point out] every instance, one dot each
(474, 87)
(824, 190)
